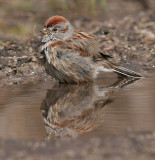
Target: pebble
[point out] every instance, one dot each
(2, 75)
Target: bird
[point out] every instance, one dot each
(71, 56)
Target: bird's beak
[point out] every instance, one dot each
(44, 30)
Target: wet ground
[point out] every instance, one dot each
(40, 119)
(130, 41)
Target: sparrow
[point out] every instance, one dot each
(72, 56)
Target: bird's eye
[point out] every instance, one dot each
(55, 29)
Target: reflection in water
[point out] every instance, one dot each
(100, 109)
(70, 110)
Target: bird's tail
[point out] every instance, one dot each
(127, 72)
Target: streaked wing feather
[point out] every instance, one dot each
(84, 43)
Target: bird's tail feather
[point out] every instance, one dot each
(127, 72)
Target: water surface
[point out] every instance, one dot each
(46, 110)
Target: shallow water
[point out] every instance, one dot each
(44, 110)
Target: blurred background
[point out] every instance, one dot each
(19, 18)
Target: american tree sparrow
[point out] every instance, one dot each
(74, 57)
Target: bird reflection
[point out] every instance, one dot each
(71, 110)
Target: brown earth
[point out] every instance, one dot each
(130, 41)
(135, 146)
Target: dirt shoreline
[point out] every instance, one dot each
(130, 41)
(135, 146)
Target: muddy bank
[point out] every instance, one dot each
(18, 62)
(135, 146)
(130, 41)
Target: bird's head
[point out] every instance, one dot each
(57, 28)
